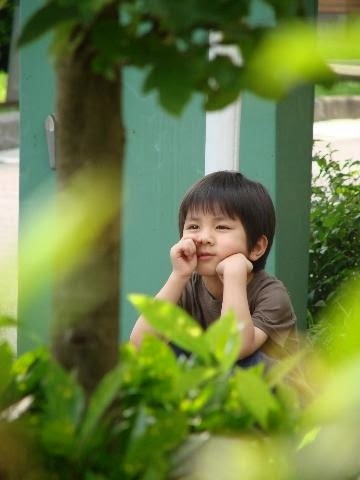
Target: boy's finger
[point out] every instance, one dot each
(188, 252)
(189, 245)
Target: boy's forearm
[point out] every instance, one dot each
(235, 299)
(173, 288)
(171, 291)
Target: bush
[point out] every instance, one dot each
(6, 20)
(143, 410)
(155, 417)
(334, 229)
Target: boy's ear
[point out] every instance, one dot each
(259, 248)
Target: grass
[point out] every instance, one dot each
(3, 86)
(339, 88)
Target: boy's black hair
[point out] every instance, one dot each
(237, 197)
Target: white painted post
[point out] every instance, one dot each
(223, 127)
(222, 139)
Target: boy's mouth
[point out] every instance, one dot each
(204, 255)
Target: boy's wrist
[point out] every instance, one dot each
(180, 276)
(237, 275)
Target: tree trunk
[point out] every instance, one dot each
(86, 300)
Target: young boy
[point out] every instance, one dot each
(227, 225)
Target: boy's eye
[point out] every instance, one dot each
(223, 227)
(191, 227)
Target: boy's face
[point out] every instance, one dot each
(216, 237)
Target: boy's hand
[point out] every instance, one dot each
(236, 264)
(183, 257)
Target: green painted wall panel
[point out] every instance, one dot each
(165, 155)
(36, 102)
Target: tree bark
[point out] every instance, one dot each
(90, 136)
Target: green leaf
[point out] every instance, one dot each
(255, 394)
(100, 401)
(173, 323)
(174, 75)
(89, 8)
(309, 437)
(95, 476)
(154, 433)
(62, 409)
(288, 56)
(225, 81)
(7, 321)
(29, 370)
(280, 370)
(154, 354)
(174, 15)
(110, 39)
(192, 379)
(6, 361)
(158, 372)
(45, 19)
(223, 340)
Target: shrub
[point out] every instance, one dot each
(334, 229)
(154, 417)
(144, 409)
(6, 20)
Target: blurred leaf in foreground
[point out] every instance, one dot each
(296, 53)
(63, 230)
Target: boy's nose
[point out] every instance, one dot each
(204, 238)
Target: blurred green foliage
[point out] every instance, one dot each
(3, 86)
(334, 229)
(340, 88)
(157, 417)
(6, 21)
(145, 408)
(161, 37)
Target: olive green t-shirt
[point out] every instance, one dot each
(269, 304)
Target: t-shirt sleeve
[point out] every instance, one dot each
(273, 313)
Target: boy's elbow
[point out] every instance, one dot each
(140, 329)
(252, 342)
(136, 338)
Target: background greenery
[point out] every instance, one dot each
(334, 229)
(349, 87)
(144, 409)
(3, 86)
(154, 417)
(6, 18)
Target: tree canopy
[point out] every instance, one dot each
(171, 41)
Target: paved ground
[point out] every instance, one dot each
(342, 135)
(9, 189)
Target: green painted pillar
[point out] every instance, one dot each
(164, 156)
(275, 149)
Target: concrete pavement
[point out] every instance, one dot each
(342, 135)
(9, 209)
